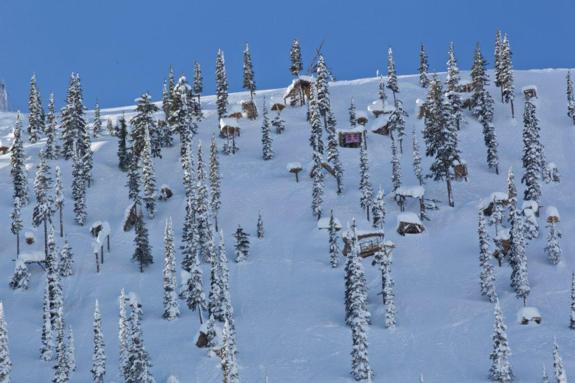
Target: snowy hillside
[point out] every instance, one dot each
(288, 301)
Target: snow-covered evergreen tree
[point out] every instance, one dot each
(49, 150)
(43, 208)
(365, 187)
(333, 246)
(500, 370)
(296, 65)
(195, 297)
(423, 67)
(552, 248)
(143, 123)
(75, 137)
(278, 123)
(143, 251)
(18, 163)
(71, 350)
(487, 275)
(36, 118)
(65, 266)
(391, 74)
(123, 333)
(97, 124)
(215, 181)
(221, 85)
(133, 183)
(441, 136)
(242, 245)
(532, 154)
(138, 365)
(570, 98)
(558, 367)
(267, 151)
(110, 128)
(352, 114)
(47, 330)
(216, 296)
(16, 224)
(498, 58)
(506, 79)
(397, 124)
(318, 186)
(416, 158)
(395, 166)
(182, 120)
(315, 139)
(452, 80)
(198, 84)
(249, 80)
(378, 210)
(123, 153)
(21, 277)
(79, 189)
(59, 198)
(482, 107)
(148, 176)
(260, 226)
(5, 361)
(62, 370)
(99, 356)
(333, 152)
(355, 283)
(518, 260)
(357, 315)
(171, 309)
(322, 87)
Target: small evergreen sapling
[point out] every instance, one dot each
(242, 245)
(558, 367)
(572, 306)
(21, 277)
(260, 226)
(552, 248)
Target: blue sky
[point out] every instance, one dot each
(122, 48)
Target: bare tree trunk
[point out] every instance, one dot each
(108, 241)
(512, 110)
(449, 193)
(200, 315)
(367, 211)
(18, 243)
(216, 222)
(61, 223)
(97, 262)
(102, 254)
(45, 239)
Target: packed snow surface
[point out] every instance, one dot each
(288, 301)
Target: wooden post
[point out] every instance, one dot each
(97, 262)
(102, 254)
(108, 240)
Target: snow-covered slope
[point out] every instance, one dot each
(288, 300)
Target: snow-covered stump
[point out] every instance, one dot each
(529, 315)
